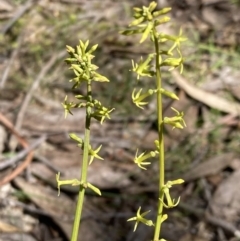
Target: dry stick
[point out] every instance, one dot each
(205, 97)
(211, 219)
(10, 62)
(24, 143)
(23, 153)
(45, 161)
(33, 88)
(34, 209)
(76, 1)
(24, 106)
(46, 101)
(19, 13)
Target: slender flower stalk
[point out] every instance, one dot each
(161, 141)
(85, 72)
(145, 23)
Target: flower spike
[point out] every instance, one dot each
(146, 22)
(80, 63)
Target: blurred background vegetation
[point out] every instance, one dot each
(34, 81)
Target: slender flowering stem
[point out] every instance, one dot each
(80, 61)
(145, 23)
(160, 139)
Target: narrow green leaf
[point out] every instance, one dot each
(86, 45)
(169, 94)
(146, 32)
(74, 137)
(152, 6)
(161, 12)
(93, 48)
(100, 78)
(95, 189)
(70, 49)
(161, 21)
(137, 21)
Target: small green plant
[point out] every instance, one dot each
(80, 61)
(147, 19)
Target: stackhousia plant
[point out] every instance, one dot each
(80, 61)
(146, 22)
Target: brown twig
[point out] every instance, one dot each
(10, 62)
(205, 97)
(18, 14)
(22, 153)
(49, 164)
(24, 144)
(33, 88)
(201, 214)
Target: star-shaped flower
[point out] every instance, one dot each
(141, 159)
(140, 218)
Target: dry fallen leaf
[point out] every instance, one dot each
(209, 99)
(62, 208)
(209, 167)
(225, 203)
(8, 228)
(16, 237)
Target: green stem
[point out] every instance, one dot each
(157, 230)
(78, 213)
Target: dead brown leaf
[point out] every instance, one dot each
(60, 208)
(209, 167)
(8, 228)
(205, 97)
(225, 203)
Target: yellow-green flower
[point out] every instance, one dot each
(67, 106)
(94, 154)
(174, 62)
(170, 202)
(141, 159)
(176, 121)
(140, 218)
(138, 98)
(102, 113)
(144, 67)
